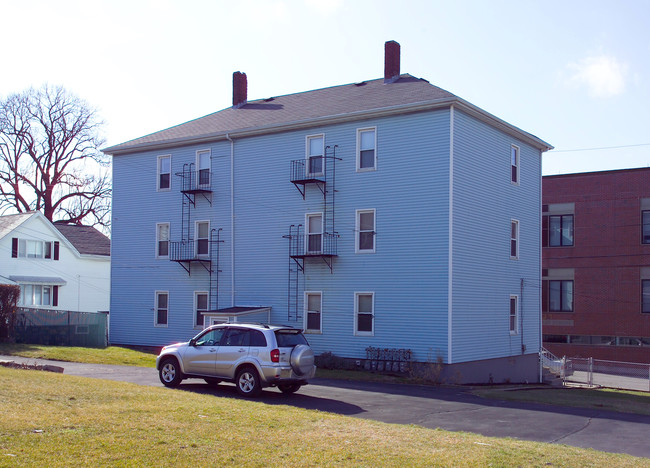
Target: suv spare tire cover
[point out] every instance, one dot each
(302, 359)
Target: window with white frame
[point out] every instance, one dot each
(39, 295)
(162, 240)
(514, 314)
(201, 307)
(514, 164)
(364, 313)
(365, 229)
(32, 248)
(203, 168)
(514, 239)
(313, 305)
(202, 238)
(314, 234)
(161, 308)
(164, 172)
(315, 154)
(366, 149)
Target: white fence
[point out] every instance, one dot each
(610, 374)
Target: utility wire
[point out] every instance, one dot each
(599, 148)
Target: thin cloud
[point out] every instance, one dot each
(603, 76)
(325, 7)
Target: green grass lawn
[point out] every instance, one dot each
(111, 355)
(54, 420)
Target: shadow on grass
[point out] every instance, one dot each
(272, 396)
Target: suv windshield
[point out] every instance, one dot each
(289, 338)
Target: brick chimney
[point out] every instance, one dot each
(391, 61)
(239, 89)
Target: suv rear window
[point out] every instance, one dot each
(289, 338)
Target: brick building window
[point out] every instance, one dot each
(560, 230)
(645, 227)
(645, 296)
(560, 295)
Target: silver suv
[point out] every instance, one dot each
(252, 356)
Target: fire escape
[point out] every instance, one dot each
(200, 247)
(318, 238)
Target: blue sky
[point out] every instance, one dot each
(574, 73)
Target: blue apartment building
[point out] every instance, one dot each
(387, 214)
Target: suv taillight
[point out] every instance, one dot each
(275, 355)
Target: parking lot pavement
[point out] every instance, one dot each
(449, 408)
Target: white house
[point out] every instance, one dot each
(58, 266)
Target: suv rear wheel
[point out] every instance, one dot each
(289, 388)
(170, 373)
(248, 382)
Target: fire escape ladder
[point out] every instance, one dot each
(329, 191)
(215, 241)
(304, 244)
(186, 251)
(296, 266)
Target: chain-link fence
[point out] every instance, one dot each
(61, 328)
(611, 374)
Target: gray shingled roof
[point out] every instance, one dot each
(351, 101)
(86, 239)
(10, 222)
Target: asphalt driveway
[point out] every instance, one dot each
(452, 409)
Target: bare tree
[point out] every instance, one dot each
(50, 159)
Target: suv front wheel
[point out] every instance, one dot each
(170, 373)
(248, 382)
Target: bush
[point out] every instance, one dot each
(329, 360)
(9, 295)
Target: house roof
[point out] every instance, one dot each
(10, 222)
(86, 239)
(317, 107)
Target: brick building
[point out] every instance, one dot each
(596, 265)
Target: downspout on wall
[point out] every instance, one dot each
(450, 268)
(232, 220)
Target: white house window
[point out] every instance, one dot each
(366, 149)
(29, 248)
(514, 314)
(203, 165)
(38, 295)
(202, 238)
(514, 164)
(365, 238)
(164, 172)
(313, 304)
(514, 239)
(162, 240)
(161, 308)
(315, 153)
(314, 233)
(364, 313)
(201, 301)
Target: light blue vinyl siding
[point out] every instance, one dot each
(408, 273)
(484, 276)
(135, 272)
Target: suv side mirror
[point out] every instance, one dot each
(192, 342)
